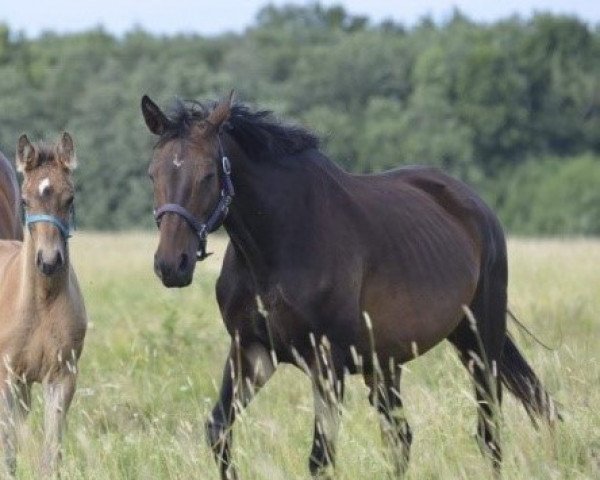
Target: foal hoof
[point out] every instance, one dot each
(11, 467)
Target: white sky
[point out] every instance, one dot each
(216, 16)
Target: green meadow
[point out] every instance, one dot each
(153, 358)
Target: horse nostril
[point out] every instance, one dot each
(183, 262)
(59, 260)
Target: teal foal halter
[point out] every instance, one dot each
(64, 228)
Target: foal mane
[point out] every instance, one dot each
(46, 153)
(262, 136)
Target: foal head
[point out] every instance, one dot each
(47, 196)
(186, 173)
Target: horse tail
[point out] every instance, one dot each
(518, 376)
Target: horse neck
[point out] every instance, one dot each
(256, 218)
(38, 288)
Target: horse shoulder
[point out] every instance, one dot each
(238, 298)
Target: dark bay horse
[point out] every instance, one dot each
(10, 220)
(312, 249)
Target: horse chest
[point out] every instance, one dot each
(48, 345)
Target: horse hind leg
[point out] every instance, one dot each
(479, 339)
(384, 395)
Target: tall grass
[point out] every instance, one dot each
(153, 360)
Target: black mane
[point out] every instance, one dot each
(258, 133)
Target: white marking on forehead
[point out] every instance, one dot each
(177, 162)
(43, 186)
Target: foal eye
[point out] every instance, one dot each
(24, 203)
(69, 201)
(208, 177)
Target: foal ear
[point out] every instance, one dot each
(221, 112)
(155, 119)
(66, 151)
(26, 154)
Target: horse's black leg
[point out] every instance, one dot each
(327, 374)
(480, 341)
(247, 368)
(384, 394)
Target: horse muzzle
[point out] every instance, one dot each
(177, 272)
(50, 264)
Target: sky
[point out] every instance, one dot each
(217, 16)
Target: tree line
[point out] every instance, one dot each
(512, 107)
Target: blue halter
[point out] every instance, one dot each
(64, 228)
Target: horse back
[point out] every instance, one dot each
(10, 224)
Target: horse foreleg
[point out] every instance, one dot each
(58, 394)
(327, 376)
(385, 397)
(247, 368)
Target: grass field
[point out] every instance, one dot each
(153, 360)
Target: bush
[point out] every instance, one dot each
(555, 196)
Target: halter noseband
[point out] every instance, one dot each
(216, 218)
(64, 228)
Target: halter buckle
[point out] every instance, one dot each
(226, 165)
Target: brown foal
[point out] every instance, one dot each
(42, 313)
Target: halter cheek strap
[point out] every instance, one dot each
(216, 218)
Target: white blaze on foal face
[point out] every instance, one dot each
(44, 186)
(177, 162)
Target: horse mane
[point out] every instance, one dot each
(262, 136)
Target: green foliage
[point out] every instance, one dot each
(488, 103)
(556, 196)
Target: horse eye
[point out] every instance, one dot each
(208, 177)
(69, 201)
(24, 202)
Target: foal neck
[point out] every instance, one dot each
(39, 287)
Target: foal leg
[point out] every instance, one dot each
(14, 405)
(58, 394)
(247, 368)
(385, 396)
(328, 390)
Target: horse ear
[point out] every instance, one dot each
(155, 119)
(26, 154)
(66, 151)
(221, 112)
